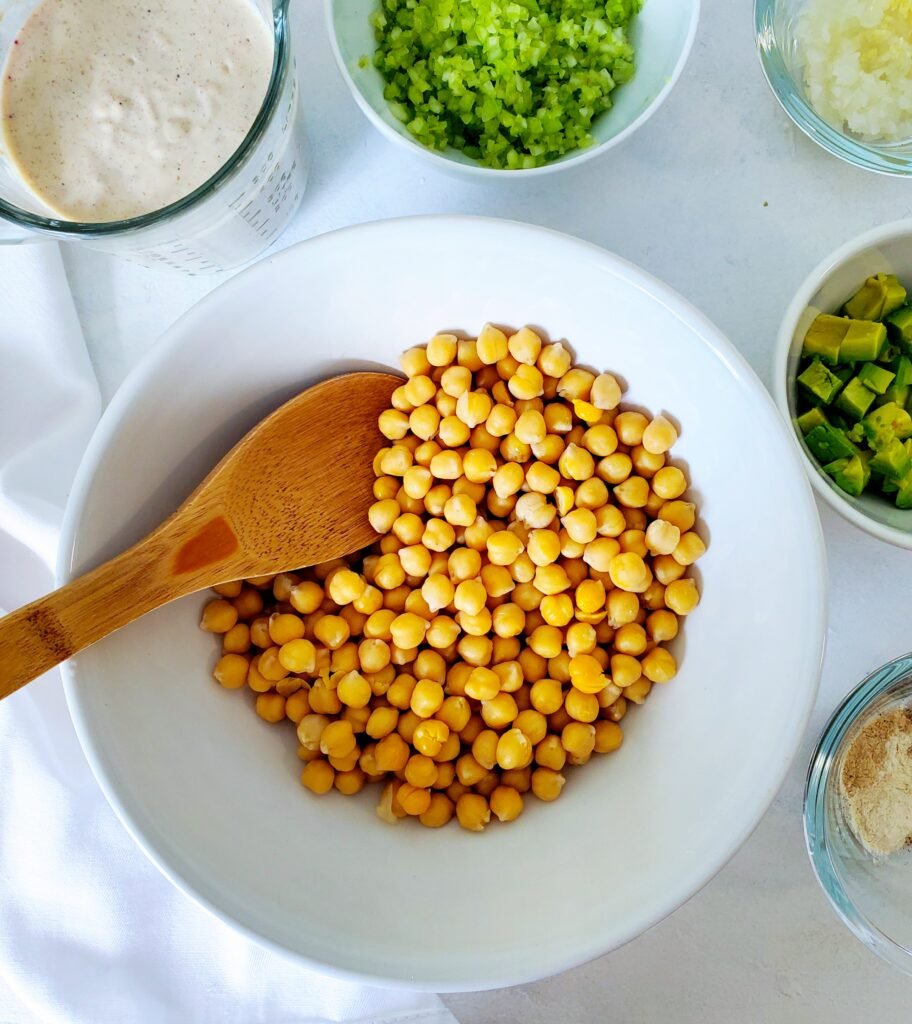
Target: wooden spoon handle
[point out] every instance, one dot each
(48, 631)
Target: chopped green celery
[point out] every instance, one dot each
(511, 83)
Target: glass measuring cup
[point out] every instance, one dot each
(225, 222)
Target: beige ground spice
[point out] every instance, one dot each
(876, 783)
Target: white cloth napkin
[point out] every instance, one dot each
(90, 932)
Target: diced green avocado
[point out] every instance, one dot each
(824, 337)
(832, 468)
(896, 293)
(845, 372)
(828, 444)
(868, 302)
(855, 433)
(891, 486)
(855, 399)
(902, 367)
(876, 378)
(853, 479)
(877, 297)
(881, 425)
(892, 460)
(810, 419)
(894, 394)
(904, 491)
(864, 341)
(899, 324)
(820, 384)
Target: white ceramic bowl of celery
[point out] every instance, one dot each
(887, 249)
(662, 35)
(211, 792)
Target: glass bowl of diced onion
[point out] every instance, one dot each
(839, 68)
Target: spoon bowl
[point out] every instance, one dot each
(294, 491)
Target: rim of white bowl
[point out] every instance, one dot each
(164, 351)
(441, 159)
(811, 284)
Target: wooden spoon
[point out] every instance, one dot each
(293, 492)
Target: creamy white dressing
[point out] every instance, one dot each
(115, 108)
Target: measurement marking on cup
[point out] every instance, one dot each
(263, 204)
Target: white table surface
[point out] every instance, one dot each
(722, 198)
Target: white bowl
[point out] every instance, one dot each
(662, 34)
(212, 793)
(887, 249)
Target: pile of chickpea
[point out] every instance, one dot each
(531, 568)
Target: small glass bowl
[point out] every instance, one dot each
(774, 29)
(873, 896)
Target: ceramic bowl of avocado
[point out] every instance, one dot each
(843, 379)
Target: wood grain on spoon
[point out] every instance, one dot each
(293, 492)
